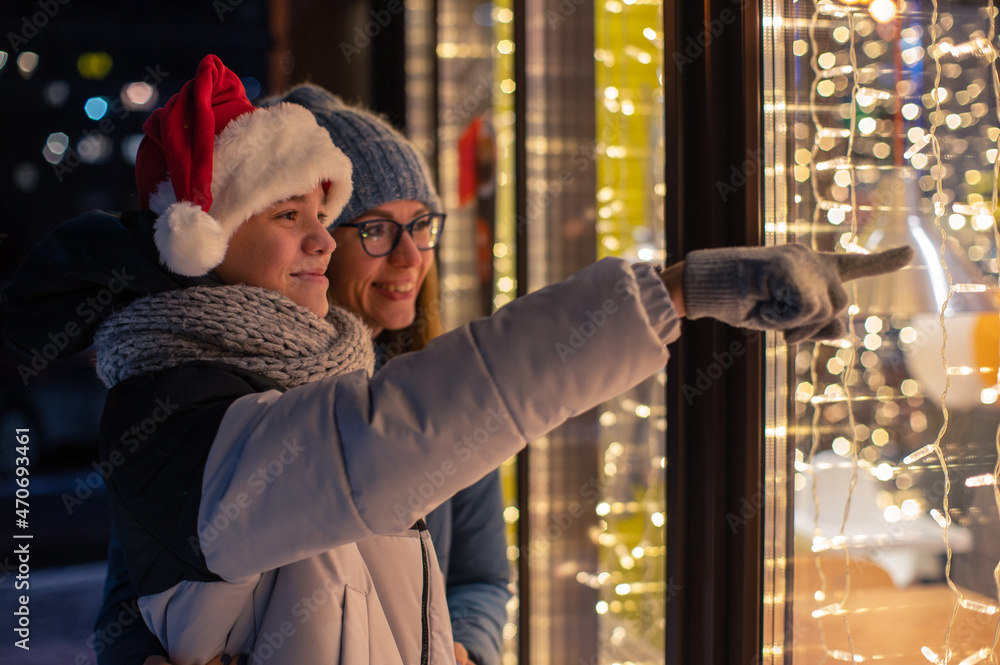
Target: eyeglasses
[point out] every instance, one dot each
(380, 237)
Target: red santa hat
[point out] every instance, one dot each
(210, 160)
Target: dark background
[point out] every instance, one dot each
(271, 46)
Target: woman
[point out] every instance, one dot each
(467, 530)
(273, 502)
(389, 278)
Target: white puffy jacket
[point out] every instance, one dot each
(280, 523)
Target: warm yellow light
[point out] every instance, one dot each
(139, 93)
(842, 178)
(882, 11)
(892, 514)
(841, 446)
(884, 472)
(27, 62)
(826, 60)
(94, 66)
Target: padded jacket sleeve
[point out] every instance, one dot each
(290, 474)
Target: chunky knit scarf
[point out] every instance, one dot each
(246, 326)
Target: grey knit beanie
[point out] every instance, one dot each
(386, 165)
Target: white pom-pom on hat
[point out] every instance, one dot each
(190, 239)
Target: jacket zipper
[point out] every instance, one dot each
(421, 526)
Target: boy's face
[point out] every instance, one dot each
(284, 248)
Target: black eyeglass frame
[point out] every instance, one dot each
(360, 226)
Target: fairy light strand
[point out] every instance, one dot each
(937, 29)
(814, 365)
(847, 164)
(851, 419)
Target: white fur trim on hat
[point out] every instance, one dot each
(260, 158)
(189, 239)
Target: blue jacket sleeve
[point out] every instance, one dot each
(121, 637)
(478, 570)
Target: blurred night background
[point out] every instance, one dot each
(77, 81)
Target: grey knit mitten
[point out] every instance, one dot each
(785, 287)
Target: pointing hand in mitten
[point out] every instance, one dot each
(785, 287)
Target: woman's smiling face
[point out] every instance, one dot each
(285, 248)
(382, 290)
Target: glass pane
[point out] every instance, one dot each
(594, 500)
(628, 57)
(468, 44)
(881, 122)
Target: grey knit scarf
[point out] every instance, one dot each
(246, 326)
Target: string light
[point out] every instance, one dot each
(628, 56)
(882, 11)
(895, 97)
